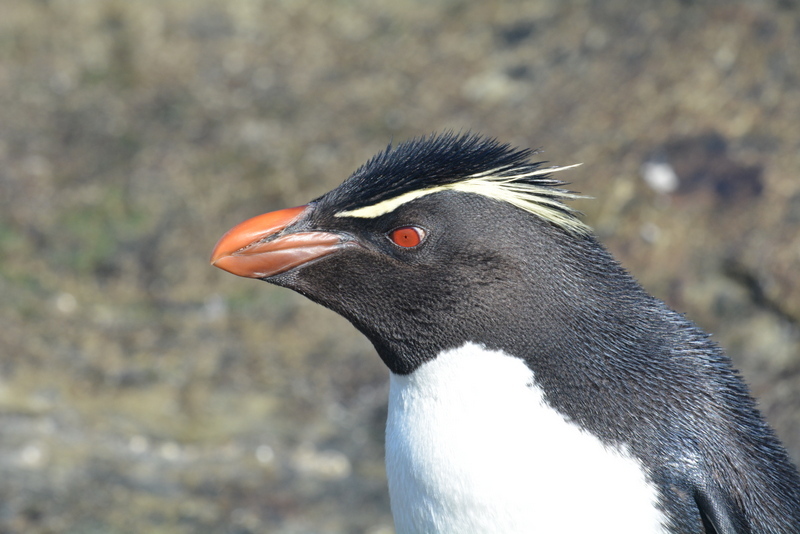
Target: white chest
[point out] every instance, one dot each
(471, 446)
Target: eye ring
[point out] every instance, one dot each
(407, 236)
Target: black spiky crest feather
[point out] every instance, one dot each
(466, 162)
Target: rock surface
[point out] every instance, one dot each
(143, 391)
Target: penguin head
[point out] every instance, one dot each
(425, 247)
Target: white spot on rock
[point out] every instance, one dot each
(660, 176)
(138, 444)
(264, 454)
(32, 456)
(66, 303)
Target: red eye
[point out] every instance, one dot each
(407, 236)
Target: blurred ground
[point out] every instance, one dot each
(143, 391)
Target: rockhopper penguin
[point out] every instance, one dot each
(535, 386)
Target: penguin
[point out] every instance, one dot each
(535, 386)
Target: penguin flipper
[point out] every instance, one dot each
(718, 514)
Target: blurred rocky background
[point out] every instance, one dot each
(143, 391)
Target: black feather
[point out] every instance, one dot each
(425, 162)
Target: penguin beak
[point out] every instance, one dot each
(265, 246)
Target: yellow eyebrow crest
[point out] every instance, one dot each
(541, 200)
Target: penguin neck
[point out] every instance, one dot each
(528, 305)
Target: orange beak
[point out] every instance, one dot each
(247, 250)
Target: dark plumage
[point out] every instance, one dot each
(607, 356)
(426, 162)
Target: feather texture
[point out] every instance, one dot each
(466, 163)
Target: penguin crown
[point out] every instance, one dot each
(449, 162)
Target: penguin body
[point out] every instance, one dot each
(534, 384)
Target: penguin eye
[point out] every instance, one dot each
(407, 236)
